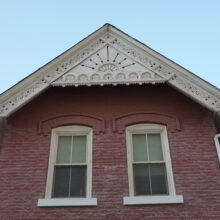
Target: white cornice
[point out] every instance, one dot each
(108, 56)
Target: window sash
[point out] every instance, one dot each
(74, 146)
(147, 150)
(147, 181)
(73, 182)
(149, 129)
(72, 137)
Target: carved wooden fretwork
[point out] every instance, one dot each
(147, 61)
(197, 93)
(175, 78)
(45, 81)
(108, 66)
(111, 58)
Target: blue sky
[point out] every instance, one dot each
(35, 32)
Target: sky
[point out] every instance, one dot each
(32, 33)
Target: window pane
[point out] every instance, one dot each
(79, 149)
(154, 147)
(139, 147)
(61, 181)
(78, 181)
(158, 179)
(141, 179)
(64, 149)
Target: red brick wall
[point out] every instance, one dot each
(24, 155)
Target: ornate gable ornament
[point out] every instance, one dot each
(109, 65)
(109, 57)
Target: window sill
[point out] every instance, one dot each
(141, 200)
(67, 202)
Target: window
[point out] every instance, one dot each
(149, 165)
(217, 144)
(70, 167)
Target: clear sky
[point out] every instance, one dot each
(34, 32)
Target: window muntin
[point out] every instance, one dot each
(70, 170)
(149, 164)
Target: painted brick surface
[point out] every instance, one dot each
(24, 155)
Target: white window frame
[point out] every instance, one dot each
(217, 145)
(69, 131)
(150, 199)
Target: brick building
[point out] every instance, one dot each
(110, 129)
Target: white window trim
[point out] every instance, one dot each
(217, 145)
(141, 200)
(67, 202)
(154, 199)
(49, 201)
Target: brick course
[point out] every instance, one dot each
(24, 155)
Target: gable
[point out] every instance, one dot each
(109, 56)
(109, 65)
